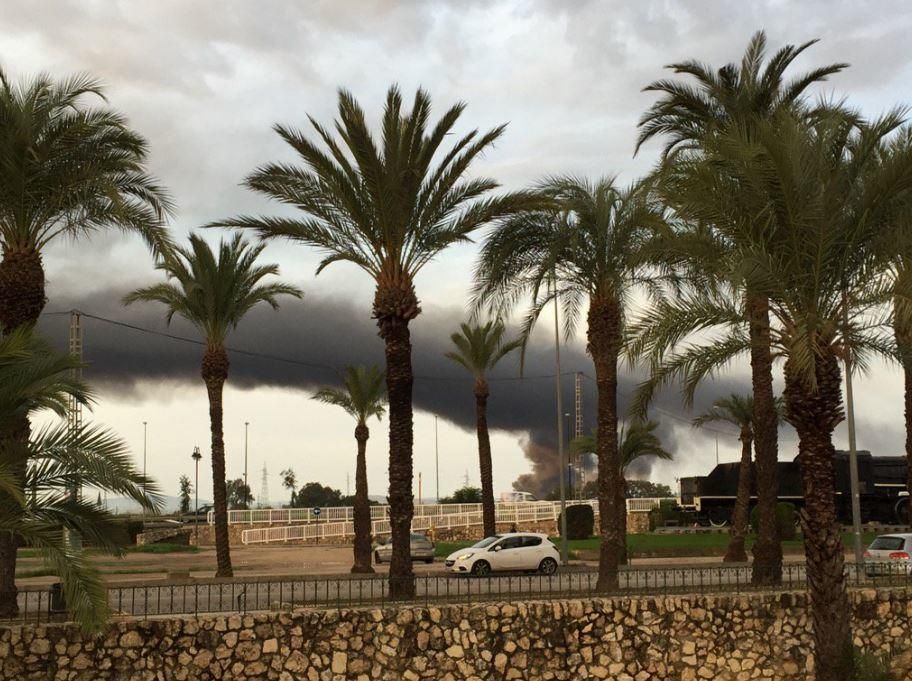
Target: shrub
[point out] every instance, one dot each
(870, 667)
(668, 510)
(580, 522)
(786, 519)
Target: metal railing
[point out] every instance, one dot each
(467, 516)
(343, 513)
(154, 600)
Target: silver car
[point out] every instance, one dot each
(889, 554)
(421, 548)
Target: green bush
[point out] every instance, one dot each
(667, 511)
(580, 522)
(786, 519)
(870, 667)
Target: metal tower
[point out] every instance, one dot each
(74, 408)
(578, 424)
(264, 489)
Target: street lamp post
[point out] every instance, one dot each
(246, 486)
(437, 458)
(560, 431)
(196, 458)
(569, 466)
(145, 446)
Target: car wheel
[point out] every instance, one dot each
(481, 568)
(548, 566)
(377, 557)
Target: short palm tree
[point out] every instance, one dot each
(479, 347)
(738, 411)
(636, 440)
(39, 474)
(684, 116)
(593, 246)
(214, 292)
(824, 198)
(363, 395)
(385, 206)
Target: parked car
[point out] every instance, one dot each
(889, 554)
(514, 551)
(199, 516)
(422, 548)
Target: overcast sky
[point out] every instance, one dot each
(205, 81)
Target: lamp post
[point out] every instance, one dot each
(196, 458)
(246, 486)
(569, 467)
(560, 430)
(145, 446)
(437, 458)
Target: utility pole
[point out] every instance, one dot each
(246, 488)
(196, 490)
(74, 411)
(560, 429)
(850, 422)
(437, 458)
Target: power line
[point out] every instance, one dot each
(288, 360)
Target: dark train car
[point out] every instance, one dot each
(881, 480)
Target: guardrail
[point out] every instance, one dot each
(346, 513)
(153, 600)
(512, 512)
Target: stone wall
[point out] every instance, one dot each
(728, 638)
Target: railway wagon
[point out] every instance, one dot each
(882, 489)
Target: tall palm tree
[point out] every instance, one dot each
(824, 198)
(33, 378)
(593, 246)
(389, 209)
(479, 347)
(214, 292)
(636, 440)
(738, 411)
(67, 169)
(685, 115)
(363, 395)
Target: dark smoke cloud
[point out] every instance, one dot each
(323, 335)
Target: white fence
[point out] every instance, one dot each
(445, 516)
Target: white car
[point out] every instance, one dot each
(889, 554)
(506, 552)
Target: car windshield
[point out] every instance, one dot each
(486, 542)
(888, 543)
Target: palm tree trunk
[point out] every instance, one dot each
(362, 519)
(395, 304)
(622, 518)
(815, 414)
(21, 301)
(767, 567)
(735, 552)
(484, 458)
(215, 373)
(604, 346)
(904, 346)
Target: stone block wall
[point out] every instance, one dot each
(728, 638)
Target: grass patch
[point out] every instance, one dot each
(163, 548)
(37, 572)
(663, 545)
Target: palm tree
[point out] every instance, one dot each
(67, 169)
(362, 396)
(637, 440)
(479, 347)
(389, 210)
(824, 197)
(685, 115)
(737, 410)
(50, 464)
(290, 482)
(593, 246)
(214, 293)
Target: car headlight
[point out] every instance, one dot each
(464, 556)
